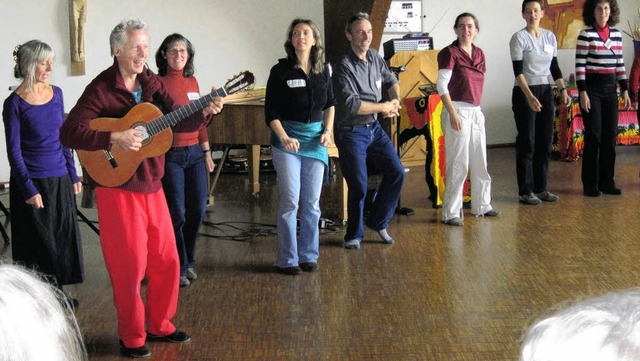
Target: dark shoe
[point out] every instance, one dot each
(69, 302)
(73, 302)
(309, 266)
(547, 197)
(611, 190)
(137, 352)
(530, 198)
(191, 274)
(592, 192)
(293, 270)
(177, 337)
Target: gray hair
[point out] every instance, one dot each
(34, 323)
(119, 34)
(605, 328)
(355, 17)
(27, 56)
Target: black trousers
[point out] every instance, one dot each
(533, 142)
(600, 132)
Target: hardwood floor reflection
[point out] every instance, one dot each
(439, 293)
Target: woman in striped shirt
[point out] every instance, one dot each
(599, 64)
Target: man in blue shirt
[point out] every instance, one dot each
(359, 79)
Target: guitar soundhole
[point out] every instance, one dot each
(144, 134)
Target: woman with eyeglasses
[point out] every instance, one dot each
(188, 162)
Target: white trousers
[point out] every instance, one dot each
(466, 150)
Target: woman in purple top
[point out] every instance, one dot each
(43, 182)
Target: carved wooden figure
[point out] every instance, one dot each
(77, 21)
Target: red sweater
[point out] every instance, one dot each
(192, 130)
(107, 96)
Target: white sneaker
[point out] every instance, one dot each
(352, 244)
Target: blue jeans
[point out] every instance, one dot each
(358, 147)
(185, 186)
(299, 182)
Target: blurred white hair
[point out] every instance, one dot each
(34, 323)
(604, 328)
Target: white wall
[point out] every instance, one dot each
(499, 19)
(229, 36)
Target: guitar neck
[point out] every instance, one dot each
(176, 116)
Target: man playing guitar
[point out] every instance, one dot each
(136, 237)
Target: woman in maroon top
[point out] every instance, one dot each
(461, 68)
(185, 176)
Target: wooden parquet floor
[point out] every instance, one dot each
(439, 293)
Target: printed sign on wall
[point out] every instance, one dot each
(404, 17)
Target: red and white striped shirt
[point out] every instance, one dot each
(595, 55)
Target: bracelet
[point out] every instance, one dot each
(562, 89)
(206, 151)
(328, 131)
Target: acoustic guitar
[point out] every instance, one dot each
(114, 168)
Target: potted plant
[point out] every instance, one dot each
(634, 33)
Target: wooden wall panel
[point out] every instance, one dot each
(336, 14)
(421, 68)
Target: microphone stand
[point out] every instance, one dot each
(399, 209)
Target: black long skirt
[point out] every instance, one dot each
(48, 239)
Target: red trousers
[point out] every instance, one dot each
(137, 239)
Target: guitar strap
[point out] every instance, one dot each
(164, 105)
(157, 97)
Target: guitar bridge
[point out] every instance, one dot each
(111, 159)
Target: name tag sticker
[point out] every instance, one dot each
(379, 83)
(193, 96)
(608, 44)
(297, 83)
(548, 48)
